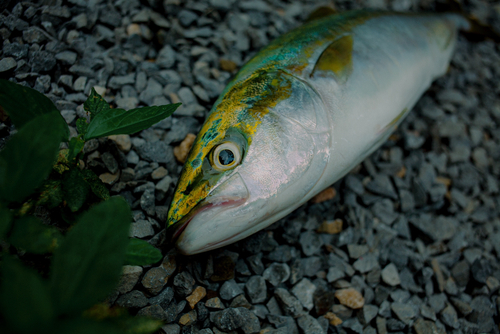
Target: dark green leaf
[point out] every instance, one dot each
(87, 265)
(51, 194)
(24, 298)
(75, 147)
(96, 185)
(23, 104)
(86, 326)
(30, 234)
(95, 104)
(28, 157)
(5, 221)
(119, 121)
(141, 253)
(82, 125)
(75, 189)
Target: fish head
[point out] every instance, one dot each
(245, 169)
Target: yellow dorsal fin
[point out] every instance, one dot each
(321, 12)
(336, 59)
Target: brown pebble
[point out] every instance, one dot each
(325, 195)
(214, 303)
(159, 173)
(402, 172)
(227, 65)
(134, 29)
(181, 152)
(439, 274)
(198, 294)
(350, 297)
(109, 178)
(443, 180)
(188, 318)
(122, 141)
(331, 227)
(333, 319)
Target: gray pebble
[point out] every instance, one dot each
(289, 304)
(164, 184)
(148, 201)
(133, 299)
(277, 273)
(366, 263)
(166, 57)
(390, 275)
(311, 242)
(171, 329)
(309, 325)
(229, 290)
(130, 277)
(256, 289)
(367, 313)
(141, 229)
(304, 291)
(164, 298)
(186, 17)
(154, 280)
(42, 61)
(184, 283)
(153, 311)
(382, 185)
(7, 63)
(449, 317)
(334, 274)
(403, 311)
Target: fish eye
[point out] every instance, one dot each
(226, 156)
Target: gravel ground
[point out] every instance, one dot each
(408, 242)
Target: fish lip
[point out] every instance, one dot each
(203, 206)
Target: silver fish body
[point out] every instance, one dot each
(321, 99)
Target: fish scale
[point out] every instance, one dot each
(302, 113)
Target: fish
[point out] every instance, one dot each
(300, 115)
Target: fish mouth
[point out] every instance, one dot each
(203, 206)
(205, 209)
(208, 216)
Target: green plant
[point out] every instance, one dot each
(88, 233)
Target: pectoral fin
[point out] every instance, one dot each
(336, 59)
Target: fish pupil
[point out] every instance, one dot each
(226, 157)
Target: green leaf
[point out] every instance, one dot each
(119, 121)
(75, 147)
(5, 221)
(30, 234)
(85, 326)
(23, 104)
(75, 189)
(24, 298)
(87, 265)
(96, 185)
(140, 325)
(82, 125)
(28, 157)
(51, 194)
(95, 104)
(141, 253)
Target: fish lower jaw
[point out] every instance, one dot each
(219, 205)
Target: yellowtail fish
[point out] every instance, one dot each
(301, 114)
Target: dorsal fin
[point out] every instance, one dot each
(321, 12)
(336, 58)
